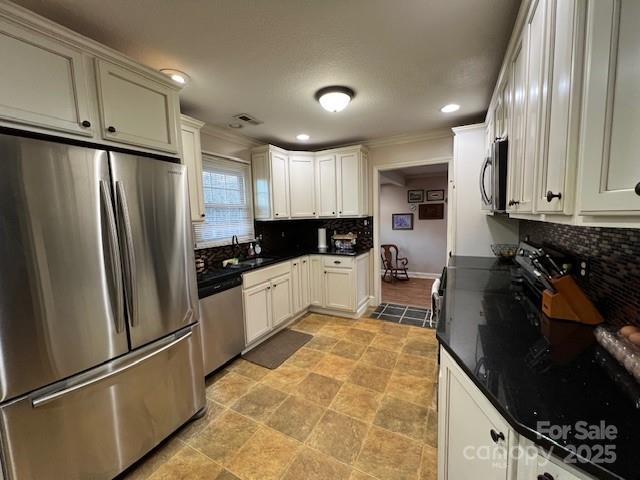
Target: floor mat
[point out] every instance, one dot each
(273, 352)
(404, 314)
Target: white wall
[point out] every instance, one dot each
(475, 231)
(217, 140)
(402, 149)
(426, 245)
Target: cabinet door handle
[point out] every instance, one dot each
(86, 123)
(551, 196)
(638, 188)
(496, 436)
(111, 129)
(277, 214)
(333, 213)
(304, 261)
(546, 476)
(269, 287)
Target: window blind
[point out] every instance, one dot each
(226, 186)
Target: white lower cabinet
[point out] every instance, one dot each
(300, 283)
(338, 288)
(281, 305)
(277, 294)
(473, 439)
(257, 311)
(476, 442)
(267, 297)
(316, 281)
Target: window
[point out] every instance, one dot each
(226, 185)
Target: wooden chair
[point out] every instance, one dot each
(394, 266)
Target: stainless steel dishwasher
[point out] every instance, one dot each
(221, 319)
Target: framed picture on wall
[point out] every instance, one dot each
(415, 196)
(402, 221)
(433, 211)
(435, 195)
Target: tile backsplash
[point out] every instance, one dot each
(289, 235)
(614, 253)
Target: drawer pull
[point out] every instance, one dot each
(86, 123)
(496, 436)
(638, 188)
(546, 476)
(337, 262)
(111, 129)
(551, 196)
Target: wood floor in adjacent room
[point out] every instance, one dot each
(415, 292)
(358, 402)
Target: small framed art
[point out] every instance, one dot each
(431, 211)
(415, 196)
(435, 195)
(402, 221)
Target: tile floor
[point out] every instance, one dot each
(357, 402)
(407, 315)
(415, 292)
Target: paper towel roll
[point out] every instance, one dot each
(322, 239)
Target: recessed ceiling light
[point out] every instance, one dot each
(334, 99)
(302, 137)
(452, 107)
(177, 76)
(234, 125)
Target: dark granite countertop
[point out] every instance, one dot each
(494, 333)
(209, 277)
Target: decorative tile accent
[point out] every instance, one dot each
(614, 280)
(407, 315)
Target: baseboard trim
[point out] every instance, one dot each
(431, 276)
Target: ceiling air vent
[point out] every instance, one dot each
(246, 118)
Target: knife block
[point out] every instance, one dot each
(569, 302)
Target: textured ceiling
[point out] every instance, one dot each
(404, 58)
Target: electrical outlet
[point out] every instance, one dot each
(583, 267)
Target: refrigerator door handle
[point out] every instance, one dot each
(114, 253)
(129, 258)
(51, 397)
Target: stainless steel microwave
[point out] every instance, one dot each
(493, 178)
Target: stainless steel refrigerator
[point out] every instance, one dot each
(100, 352)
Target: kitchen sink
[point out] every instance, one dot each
(255, 262)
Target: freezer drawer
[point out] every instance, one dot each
(97, 424)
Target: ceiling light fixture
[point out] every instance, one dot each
(334, 99)
(177, 76)
(452, 107)
(303, 137)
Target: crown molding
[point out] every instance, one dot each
(466, 128)
(224, 134)
(409, 138)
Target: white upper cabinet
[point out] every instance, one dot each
(58, 82)
(280, 183)
(270, 167)
(516, 130)
(43, 82)
(302, 184)
(556, 165)
(326, 186)
(348, 181)
(192, 158)
(136, 109)
(534, 43)
(330, 183)
(610, 134)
